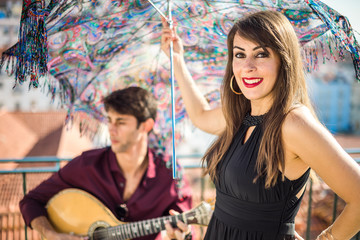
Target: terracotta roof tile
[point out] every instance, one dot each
(16, 138)
(39, 134)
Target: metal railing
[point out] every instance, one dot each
(57, 166)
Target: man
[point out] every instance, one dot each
(128, 177)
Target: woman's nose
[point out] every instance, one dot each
(249, 65)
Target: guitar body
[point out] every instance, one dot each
(74, 211)
(78, 212)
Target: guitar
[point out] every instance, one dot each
(75, 211)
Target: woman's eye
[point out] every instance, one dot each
(262, 55)
(239, 55)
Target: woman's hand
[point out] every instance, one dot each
(177, 233)
(326, 235)
(298, 237)
(169, 35)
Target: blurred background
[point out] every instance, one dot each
(32, 127)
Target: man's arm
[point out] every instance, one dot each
(33, 204)
(32, 207)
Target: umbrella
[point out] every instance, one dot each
(92, 47)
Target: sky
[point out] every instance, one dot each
(350, 9)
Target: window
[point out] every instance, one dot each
(17, 107)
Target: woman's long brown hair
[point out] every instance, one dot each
(273, 30)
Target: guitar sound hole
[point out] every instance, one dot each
(98, 230)
(99, 234)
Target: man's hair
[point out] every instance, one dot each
(134, 101)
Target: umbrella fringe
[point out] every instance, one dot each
(28, 58)
(325, 48)
(341, 30)
(9, 59)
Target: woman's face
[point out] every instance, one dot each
(255, 68)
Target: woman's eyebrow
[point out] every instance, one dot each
(253, 48)
(239, 48)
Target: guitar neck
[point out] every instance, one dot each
(137, 229)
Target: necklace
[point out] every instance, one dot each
(250, 120)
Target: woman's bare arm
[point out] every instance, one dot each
(304, 136)
(202, 116)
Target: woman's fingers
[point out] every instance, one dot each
(298, 237)
(169, 35)
(164, 22)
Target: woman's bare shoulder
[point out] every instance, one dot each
(298, 118)
(301, 124)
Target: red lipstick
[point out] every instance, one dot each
(252, 82)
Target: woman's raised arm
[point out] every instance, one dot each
(202, 116)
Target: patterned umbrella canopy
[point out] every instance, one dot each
(92, 47)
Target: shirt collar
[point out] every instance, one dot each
(151, 169)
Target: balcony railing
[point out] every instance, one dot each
(57, 165)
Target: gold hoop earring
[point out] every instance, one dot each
(231, 86)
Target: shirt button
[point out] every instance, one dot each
(121, 184)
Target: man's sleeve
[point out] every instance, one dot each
(183, 201)
(33, 204)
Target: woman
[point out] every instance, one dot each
(268, 136)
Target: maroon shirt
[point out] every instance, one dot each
(98, 173)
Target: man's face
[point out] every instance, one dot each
(124, 131)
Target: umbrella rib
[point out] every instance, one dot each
(223, 9)
(196, 16)
(107, 17)
(103, 66)
(209, 2)
(158, 10)
(141, 27)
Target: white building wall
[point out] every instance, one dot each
(21, 98)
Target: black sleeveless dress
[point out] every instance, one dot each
(246, 210)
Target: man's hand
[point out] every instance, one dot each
(44, 227)
(63, 236)
(177, 233)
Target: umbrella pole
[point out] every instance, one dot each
(172, 94)
(172, 81)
